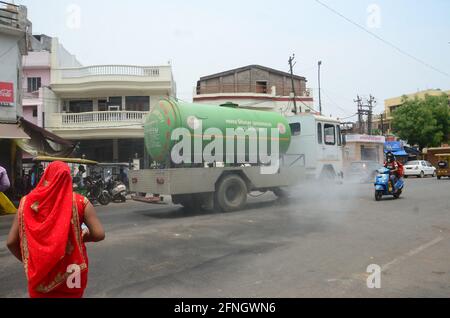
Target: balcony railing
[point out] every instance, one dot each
(110, 70)
(105, 116)
(107, 119)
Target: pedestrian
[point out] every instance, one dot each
(4, 180)
(27, 183)
(36, 174)
(123, 177)
(47, 235)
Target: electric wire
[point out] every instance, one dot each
(395, 47)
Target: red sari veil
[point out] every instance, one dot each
(50, 232)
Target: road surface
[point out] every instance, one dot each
(319, 244)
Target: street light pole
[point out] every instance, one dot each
(320, 99)
(291, 65)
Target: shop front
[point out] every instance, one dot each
(363, 148)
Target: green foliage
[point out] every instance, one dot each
(376, 131)
(425, 122)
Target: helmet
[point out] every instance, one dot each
(390, 157)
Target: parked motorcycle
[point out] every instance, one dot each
(93, 189)
(383, 185)
(116, 189)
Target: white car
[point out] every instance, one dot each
(419, 168)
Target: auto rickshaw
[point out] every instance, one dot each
(443, 169)
(97, 193)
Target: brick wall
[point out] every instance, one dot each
(254, 80)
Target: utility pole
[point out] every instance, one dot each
(291, 59)
(382, 123)
(320, 100)
(358, 101)
(370, 103)
(365, 109)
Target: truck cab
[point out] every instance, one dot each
(318, 139)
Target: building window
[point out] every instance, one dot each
(102, 105)
(137, 103)
(80, 106)
(34, 112)
(295, 129)
(115, 103)
(261, 87)
(330, 134)
(319, 133)
(34, 83)
(369, 153)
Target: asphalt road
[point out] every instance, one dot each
(317, 245)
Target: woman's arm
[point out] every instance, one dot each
(96, 232)
(13, 242)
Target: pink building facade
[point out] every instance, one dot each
(36, 74)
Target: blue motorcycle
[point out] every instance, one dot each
(383, 186)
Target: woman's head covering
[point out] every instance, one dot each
(50, 229)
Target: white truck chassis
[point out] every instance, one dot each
(223, 188)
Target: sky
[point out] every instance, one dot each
(204, 37)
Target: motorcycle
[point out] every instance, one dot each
(383, 185)
(93, 189)
(116, 189)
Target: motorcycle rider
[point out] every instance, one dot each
(394, 166)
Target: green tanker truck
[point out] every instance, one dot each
(210, 156)
(204, 123)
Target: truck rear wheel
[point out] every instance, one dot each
(231, 194)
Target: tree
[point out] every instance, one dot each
(425, 122)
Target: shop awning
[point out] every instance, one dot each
(400, 153)
(12, 131)
(43, 142)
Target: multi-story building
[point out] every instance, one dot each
(255, 86)
(101, 107)
(36, 75)
(15, 30)
(383, 121)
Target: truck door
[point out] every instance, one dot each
(294, 157)
(330, 142)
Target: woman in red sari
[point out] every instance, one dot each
(47, 237)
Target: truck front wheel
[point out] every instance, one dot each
(231, 194)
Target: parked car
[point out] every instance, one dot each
(419, 168)
(363, 171)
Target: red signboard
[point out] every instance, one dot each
(6, 93)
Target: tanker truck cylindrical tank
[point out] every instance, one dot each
(169, 115)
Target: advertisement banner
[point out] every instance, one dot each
(6, 93)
